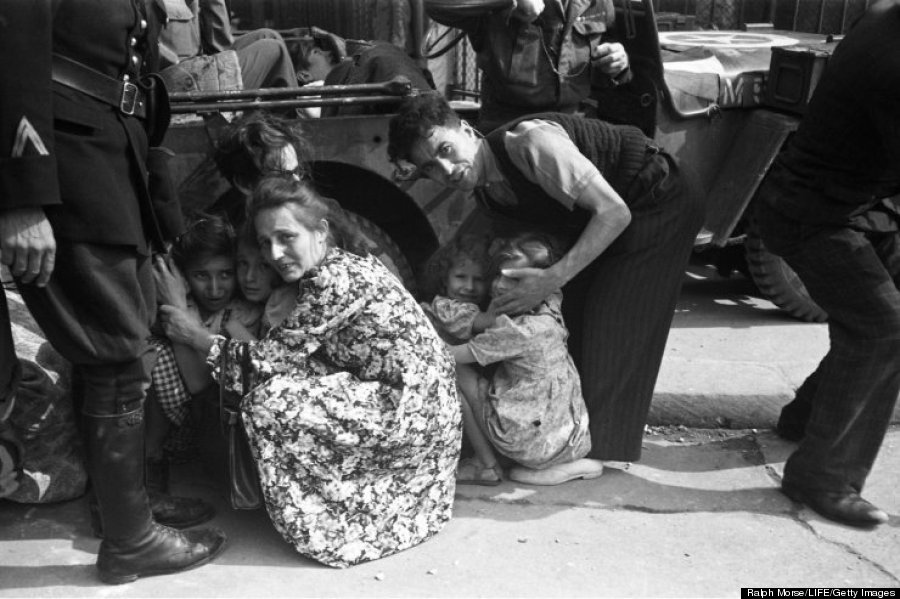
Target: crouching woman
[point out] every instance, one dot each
(353, 416)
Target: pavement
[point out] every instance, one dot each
(699, 516)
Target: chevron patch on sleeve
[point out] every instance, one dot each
(26, 134)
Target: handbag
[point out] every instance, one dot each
(242, 474)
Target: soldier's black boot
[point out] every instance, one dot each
(133, 544)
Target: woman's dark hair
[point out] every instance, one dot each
(206, 235)
(244, 152)
(537, 248)
(308, 207)
(463, 247)
(245, 234)
(416, 117)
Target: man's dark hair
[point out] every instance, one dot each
(416, 117)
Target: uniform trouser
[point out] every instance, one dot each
(853, 274)
(96, 312)
(265, 60)
(620, 308)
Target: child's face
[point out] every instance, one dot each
(501, 283)
(254, 275)
(465, 282)
(210, 280)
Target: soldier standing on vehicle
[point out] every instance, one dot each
(77, 227)
(831, 209)
(537, 56)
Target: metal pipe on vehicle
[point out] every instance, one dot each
(182, 107)
(394, 87)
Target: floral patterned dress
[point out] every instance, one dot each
(354, 417)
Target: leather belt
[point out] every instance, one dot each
(124, 95)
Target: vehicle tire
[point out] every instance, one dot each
(377, 242)
(778, 281)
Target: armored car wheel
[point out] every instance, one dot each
(778, 282)
(378, 243)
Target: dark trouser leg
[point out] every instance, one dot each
(96, 312)
(627, 309)
(794, 416)
(265, 60)
(853, 276)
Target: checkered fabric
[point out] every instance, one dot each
(166, 383)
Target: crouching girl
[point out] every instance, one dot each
(531, 408)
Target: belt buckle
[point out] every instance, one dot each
(129, 99)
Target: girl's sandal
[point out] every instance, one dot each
(470, 471)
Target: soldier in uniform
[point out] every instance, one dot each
(537, 55)
(77, 229)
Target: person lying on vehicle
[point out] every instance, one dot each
(327, 58)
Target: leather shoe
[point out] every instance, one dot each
(159, 550)
(844, 507)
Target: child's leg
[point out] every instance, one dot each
(467, 380)
(166, 403)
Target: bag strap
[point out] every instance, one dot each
(223, 368)
(245, 369)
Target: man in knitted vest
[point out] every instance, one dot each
(618, 204)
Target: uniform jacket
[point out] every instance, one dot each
(80, 159)
(541, 66)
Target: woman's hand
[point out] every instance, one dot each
(180, 327)
(535, 285)
(171, 288)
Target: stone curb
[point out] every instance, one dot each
(706, 393)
